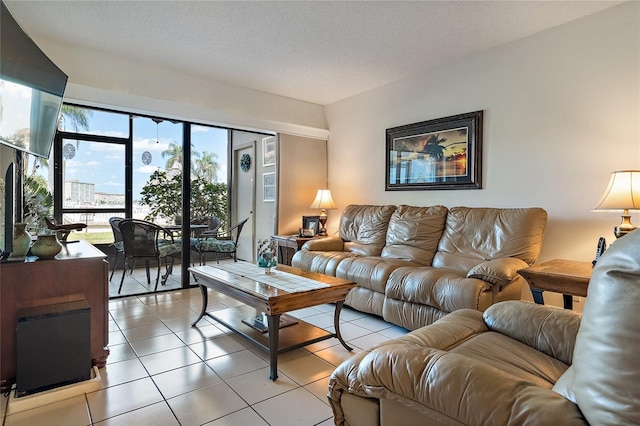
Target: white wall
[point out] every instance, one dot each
(561, 108)
(562, 111)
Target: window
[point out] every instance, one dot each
(105, 159)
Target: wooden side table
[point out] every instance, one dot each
(288, 245)
(569, 277)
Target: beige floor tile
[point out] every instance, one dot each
(168, 304)
(394, 332)
(158, 414)
(368, 340)
(336, 355)
(238, 363)
(306, 369)
(321, 320)
(350, 331)
(70, 412)
(219, 346)
(156, 344)
(156, 299)
(128, 310)
(120, 353)
(116, 337)
(328, 422)
(185, 379)
(303, 313)
(246, 416)
(122, 398)
(184, 313)
(199, 334)
(116, 373)
(146, 332)
(182, 323)
(147, 319)
(349, 314)
(287, 356)
(126, 302)
(326, 308)
(372, 323)
(169, 360)
(257, 386)
(205, 404)
(315, 347)
(296, 407)
(320, 389)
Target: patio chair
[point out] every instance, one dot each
(213, 225)
(148, 242)
(219, 242)
(118, 245)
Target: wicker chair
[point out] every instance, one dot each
(148, 242)
(118, 245)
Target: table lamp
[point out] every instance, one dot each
(623, 193)
(323, 201)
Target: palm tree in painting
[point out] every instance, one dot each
(434, 147)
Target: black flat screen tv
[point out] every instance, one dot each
(31, 90)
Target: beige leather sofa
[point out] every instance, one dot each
(413, 265)
(516, 364)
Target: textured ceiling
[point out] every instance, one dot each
(317, 51)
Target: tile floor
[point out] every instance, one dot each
(161, 371)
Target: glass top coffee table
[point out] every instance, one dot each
(266, 299)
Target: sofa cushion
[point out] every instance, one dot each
(370, 272)
(605, 360)
(549, 331)
(444, 289)
(477, 234)
(364, 228)
(414, 232)
(322, 262)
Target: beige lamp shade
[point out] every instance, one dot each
(323, 200)
(623, 193)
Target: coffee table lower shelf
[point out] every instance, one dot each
(289, 338)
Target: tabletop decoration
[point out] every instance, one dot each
(267, 254)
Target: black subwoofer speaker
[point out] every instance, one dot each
(53, 347)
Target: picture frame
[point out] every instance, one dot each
(269, 151)
(311, 222)
(445, 153)
(269, 186)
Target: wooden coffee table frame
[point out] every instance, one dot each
(260, 297)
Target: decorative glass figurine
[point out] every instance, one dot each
(267, 254)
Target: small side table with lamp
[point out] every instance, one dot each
(323, 201)
(571, 278)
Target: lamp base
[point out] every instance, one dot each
(625, 227)
(322, 232)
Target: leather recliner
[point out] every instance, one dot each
(515, 364)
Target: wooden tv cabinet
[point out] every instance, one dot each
(79, 272)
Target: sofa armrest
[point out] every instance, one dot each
(464, 389)
(547, 329)
(498, 271)
(324, 244)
